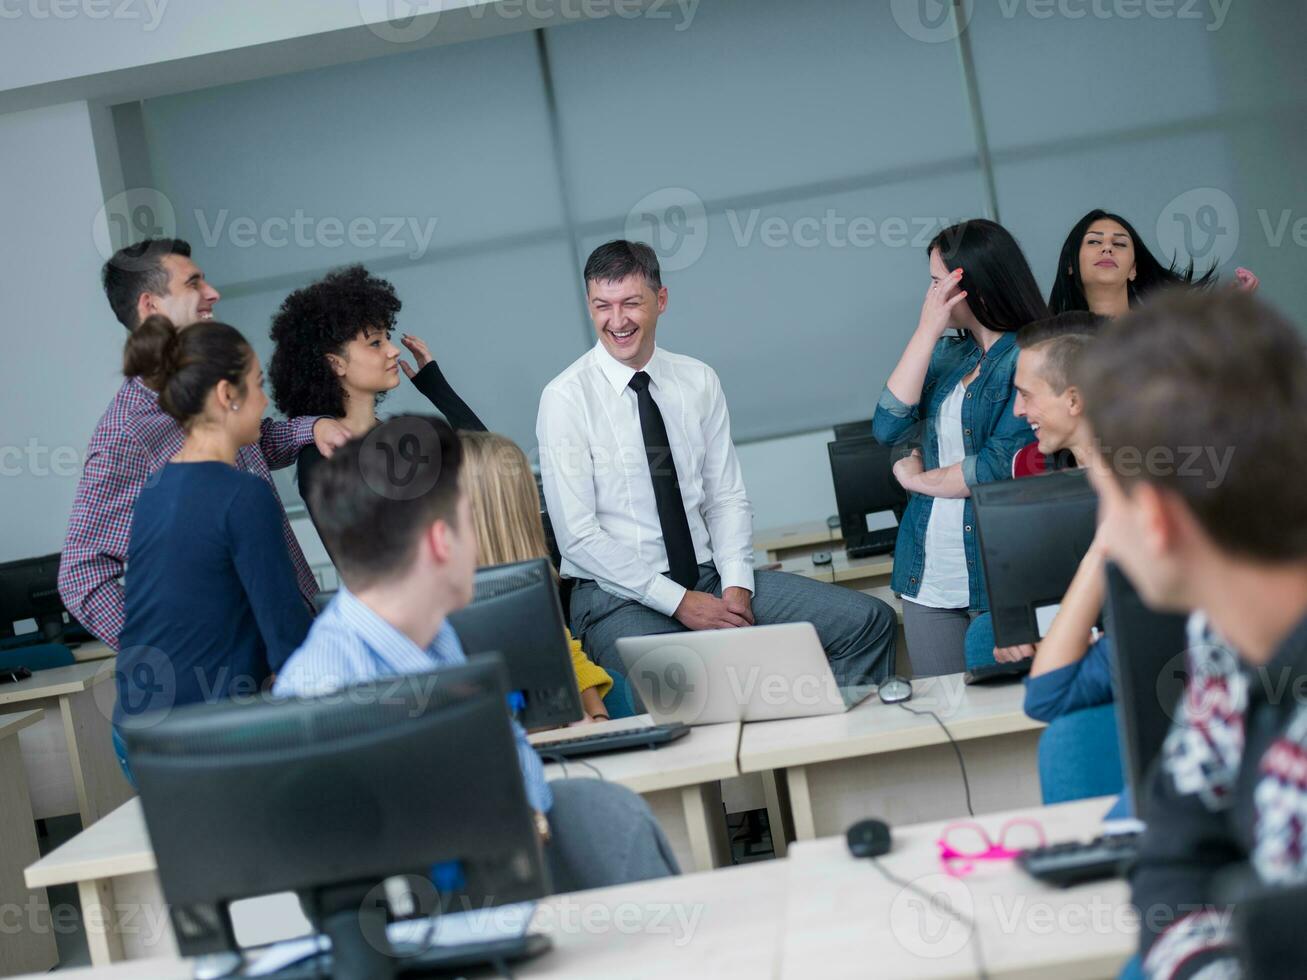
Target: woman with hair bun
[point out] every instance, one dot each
(213, 607)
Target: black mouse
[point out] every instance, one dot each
(869, 838)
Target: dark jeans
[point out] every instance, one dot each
(856, 630)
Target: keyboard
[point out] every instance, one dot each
(646, 737)
(1075, 862)
(876, 543)
(996, 672)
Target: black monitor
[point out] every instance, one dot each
(867, 494)
(1032, 534)
(853, 430)
(516, 612)
(330, 797)
(29, 589)
(1148, 673)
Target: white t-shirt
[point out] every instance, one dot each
(944, 580)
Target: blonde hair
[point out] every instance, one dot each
(499, 483)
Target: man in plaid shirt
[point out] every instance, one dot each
(135, 438)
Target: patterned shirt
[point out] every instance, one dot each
(350, 644)
(132, 441)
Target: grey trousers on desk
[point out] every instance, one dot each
(856, 630)
(603, 834)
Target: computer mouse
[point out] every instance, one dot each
(868, 838)
(821, 558)
(895, 689)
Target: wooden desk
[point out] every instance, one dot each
(796, 540)
(842, 914)
(92, 650)
(112, 864)
(69, 757)
(681, 782)
(32, 945)
(855, 573)
(725, 925)
(879, 760)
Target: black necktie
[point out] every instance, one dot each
(667, 487)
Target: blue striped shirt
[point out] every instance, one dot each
(350, 644)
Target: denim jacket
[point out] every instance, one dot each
(990, 432)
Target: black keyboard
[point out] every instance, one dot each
(997, 672)
(876, 543)
(1075, 862)
(648, 737)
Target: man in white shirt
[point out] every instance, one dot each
(647, 500)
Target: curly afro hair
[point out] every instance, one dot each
(318, 320)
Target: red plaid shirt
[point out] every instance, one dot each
(133, 440)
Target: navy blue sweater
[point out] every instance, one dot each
(213, 605)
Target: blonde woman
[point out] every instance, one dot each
(506, 510)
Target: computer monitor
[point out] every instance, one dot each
(869, 498)
(330, 797)
(1032, 535)
(1148, 672)
(853, 430)
(516, 612)
(29, 589)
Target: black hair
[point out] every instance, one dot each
(1069, 287)
(375, 496)
(1001, 289)
(1190, 379)
(318, 320)
(138, 269)
(1063, 339)
(615, 260)
(183, 366)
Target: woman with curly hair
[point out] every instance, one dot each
(333, 356)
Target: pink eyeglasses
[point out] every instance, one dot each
(961, 845)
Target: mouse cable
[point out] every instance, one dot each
(946, 906)
(966, 783)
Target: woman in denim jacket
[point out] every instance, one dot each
(951, 397)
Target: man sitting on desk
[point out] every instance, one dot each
(647, 500)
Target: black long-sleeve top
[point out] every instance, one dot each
(431, 382)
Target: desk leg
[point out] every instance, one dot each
(31, 948)
(805, 824)
(100, 919)
(705, 821)
(779, 819)
(101, 786)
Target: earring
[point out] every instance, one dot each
(235, 407)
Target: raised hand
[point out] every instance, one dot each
(941, 297)
(421, 353)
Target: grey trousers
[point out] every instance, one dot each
(936, 638)
(603, 834)
(856, 630)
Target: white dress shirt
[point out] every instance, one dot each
(599, 491)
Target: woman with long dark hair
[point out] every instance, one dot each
(952, 395)
(1106, 268)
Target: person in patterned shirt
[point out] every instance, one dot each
(135, 438)
(1198, 406)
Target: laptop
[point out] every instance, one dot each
(753, 673)
(868, 496)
